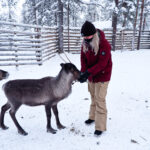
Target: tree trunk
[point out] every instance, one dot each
(134, 27)
(35, 20)
(144, 23)
(124, 21)
(9, 11)
(55, 22)
(68, 20)
(60, 26)
(140, 27)
(114, 25)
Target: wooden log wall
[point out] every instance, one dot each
(22, 44)
(123, 39)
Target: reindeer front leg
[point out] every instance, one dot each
(48, 115)
(55, 110)
(12, 112)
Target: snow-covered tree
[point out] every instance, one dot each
(32, 11)
(46, 12)
(93, 10)
(8, 10)
(74, 9)
(146, 20)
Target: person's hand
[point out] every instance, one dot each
(83, 76)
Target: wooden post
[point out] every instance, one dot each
(16, 56)
(38, 52)
(122, 39)
(134, 27)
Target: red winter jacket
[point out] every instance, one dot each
(99, 66)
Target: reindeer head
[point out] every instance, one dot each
(3, 74)
(71, 68)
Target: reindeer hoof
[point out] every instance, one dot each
(61, 127)
(22, 132)
(51, 130)
(3, 127)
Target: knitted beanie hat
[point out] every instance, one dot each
(88, 29)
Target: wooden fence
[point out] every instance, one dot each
(72, 43)
(22, 44)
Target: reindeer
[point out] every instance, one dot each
(3, 74)
(47, 91)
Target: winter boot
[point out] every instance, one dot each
(89, 121)
(98, 132)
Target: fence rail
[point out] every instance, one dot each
(22, 44)
(123, 39)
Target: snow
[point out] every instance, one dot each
(103, 24)
(128, 104)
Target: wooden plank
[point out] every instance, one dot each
(18, 63)
(46, 55)
(20, 32)
(18, 54)
(18, 59)
(45, 59)
(20, 44)
(19, 49)
(26, 25)
(6, 39)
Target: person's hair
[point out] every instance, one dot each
(94, 44)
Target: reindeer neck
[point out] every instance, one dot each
(64, 78)
(62, 85)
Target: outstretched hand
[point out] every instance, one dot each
(83, 76)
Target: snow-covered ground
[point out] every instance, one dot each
(128, 104)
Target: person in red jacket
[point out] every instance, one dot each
(96, 66)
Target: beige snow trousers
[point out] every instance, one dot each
(98, 110)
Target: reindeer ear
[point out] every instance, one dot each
(62, 65)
